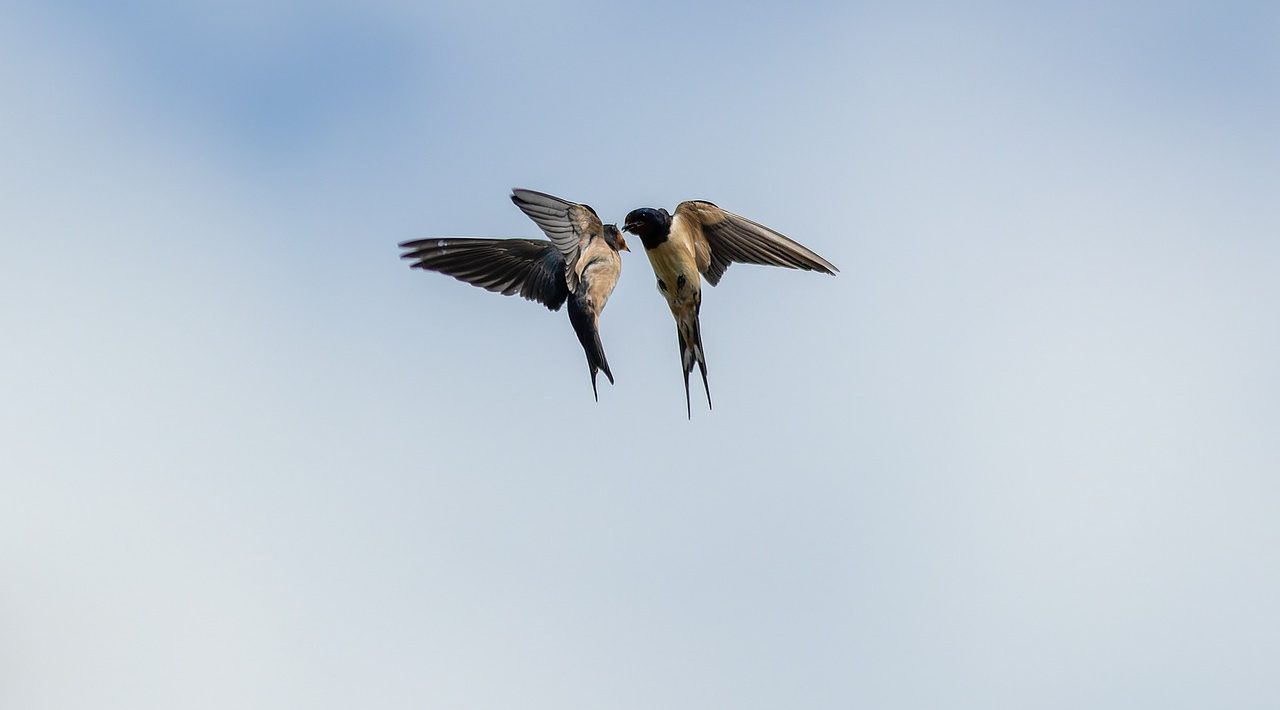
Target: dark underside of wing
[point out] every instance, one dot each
(733, 238)
(567, 224)
(532, 268)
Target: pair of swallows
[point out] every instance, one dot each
(579, 264)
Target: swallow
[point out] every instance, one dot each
(580, 264)
(700, 241)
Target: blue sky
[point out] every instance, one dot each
(1020, 452)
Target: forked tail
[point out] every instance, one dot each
(690, 334)
(585, 325)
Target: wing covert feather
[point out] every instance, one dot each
(569, 225)
(731, 238)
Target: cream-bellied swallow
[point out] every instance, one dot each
(703, 239)
(579, 265)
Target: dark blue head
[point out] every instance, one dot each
(652, 226)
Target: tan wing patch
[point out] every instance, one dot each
(686, 232)
(696, 215)
(731, 238)
(585, 223)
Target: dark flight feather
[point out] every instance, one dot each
(531, 268)
(733, 238)
(569, 225)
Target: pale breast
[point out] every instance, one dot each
(675, 255)
(598, 268)
(675, 266)
(601, 276)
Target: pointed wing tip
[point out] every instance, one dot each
(524, 195)
(521, 197)
(819, 264)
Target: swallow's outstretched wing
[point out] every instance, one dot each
(721, 237)
(532, 268)
(569, 225)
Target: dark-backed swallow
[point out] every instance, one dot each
(701, 238)
(579, 265)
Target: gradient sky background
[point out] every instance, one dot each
(1022, 452)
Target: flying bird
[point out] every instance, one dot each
(579, 265)
(702, 240)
